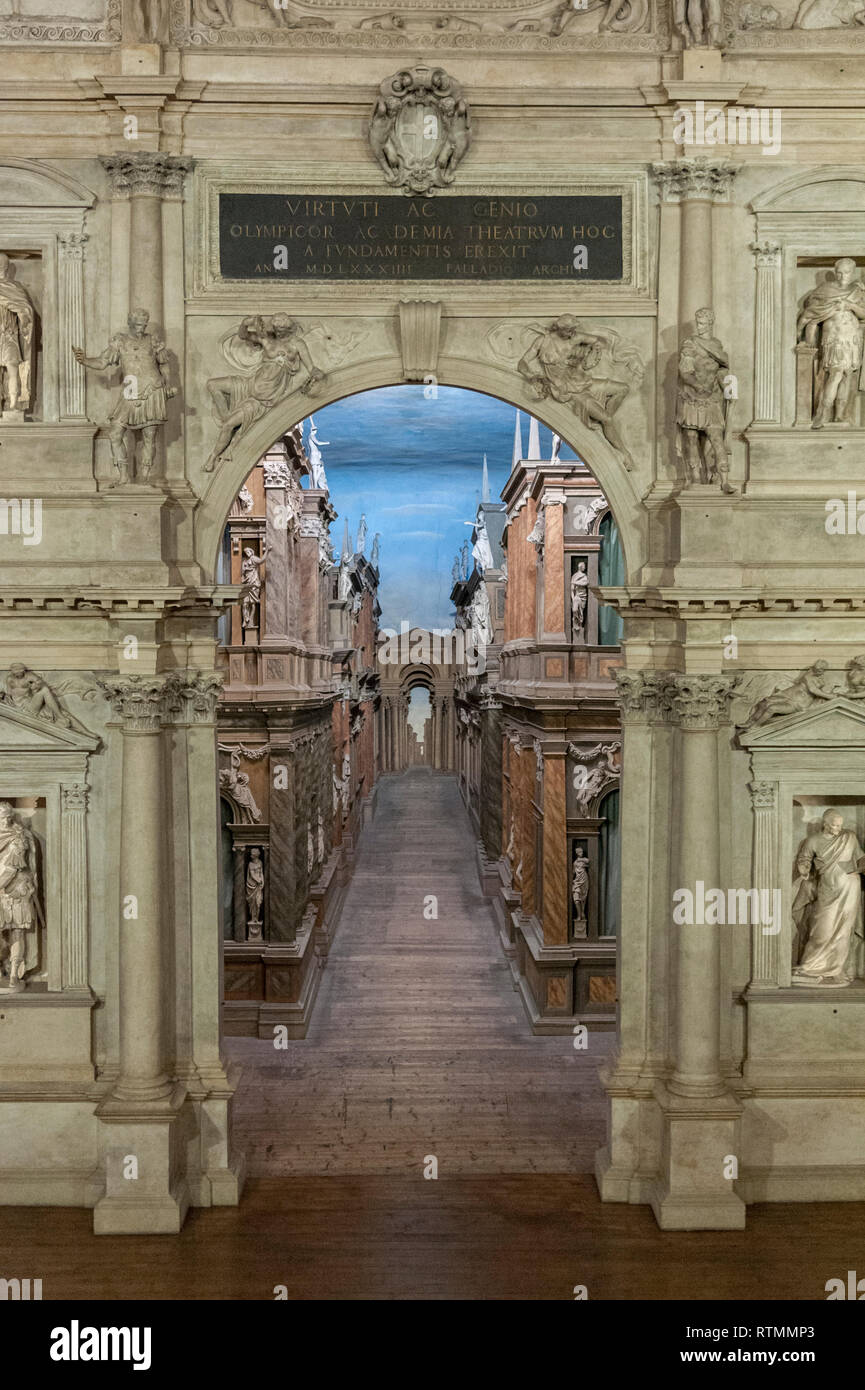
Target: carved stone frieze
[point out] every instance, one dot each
(64, 27)
(498, 25)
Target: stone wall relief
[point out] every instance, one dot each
(509, 24)
(141, 407)
(420, 129)
(794, 23)
(272, 356)
(594, 770)
(590, 368)
(235, 784)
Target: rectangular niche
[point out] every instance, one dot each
(26, 271)
(31, 812)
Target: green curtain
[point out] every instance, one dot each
(611, 570)
(611, 872)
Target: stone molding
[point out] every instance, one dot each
(145, 703)
(701, 702)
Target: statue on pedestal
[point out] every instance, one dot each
(702, 405)
(17, 319)
(827, 907)
(250, 598)
(19, 907)
(142, 405)
(580, 892)
(831, 321)
(254, 894)
(579, 602)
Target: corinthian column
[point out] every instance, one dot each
(696, 185)
(145, 178)
(701, 703)
(70, 247)
(141, 702)
(767, 362)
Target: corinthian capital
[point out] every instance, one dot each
(142, 702)
(644, 696)
(683, 179)
(701, 702)
(147, 171)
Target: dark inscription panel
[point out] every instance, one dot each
(465, 237)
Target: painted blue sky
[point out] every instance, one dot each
(413, 465)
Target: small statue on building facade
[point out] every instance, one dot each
(17, 320)
(19, 906)
(831, 321)
(254, 894)
(580, 892)
(703, 405)
(250, 597)
(142, 405)
(827, 907)
(579, 602)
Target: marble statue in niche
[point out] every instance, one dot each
(703, 405)
(250, 597)
(17, 340)
(565, 362)
(827, 906)
(142, 406)
(19, 900)
(580, 891)
(268, 352)
(254, 894)
(831, 321)
(481, 619)
(420, 129)
(579, 601)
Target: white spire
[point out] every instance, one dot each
(485, 487)
(346, 544)
(534, 439)
(518, 442)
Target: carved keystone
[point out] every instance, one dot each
(420, 333)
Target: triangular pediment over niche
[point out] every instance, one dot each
(26, 733)
(838, 723)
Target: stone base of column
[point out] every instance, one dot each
(699, 1141)
(146, 1192)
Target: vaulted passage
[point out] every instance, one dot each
(418, 1044)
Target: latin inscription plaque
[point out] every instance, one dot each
(463, 237)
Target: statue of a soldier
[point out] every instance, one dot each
(142, 404)
(703, 405)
